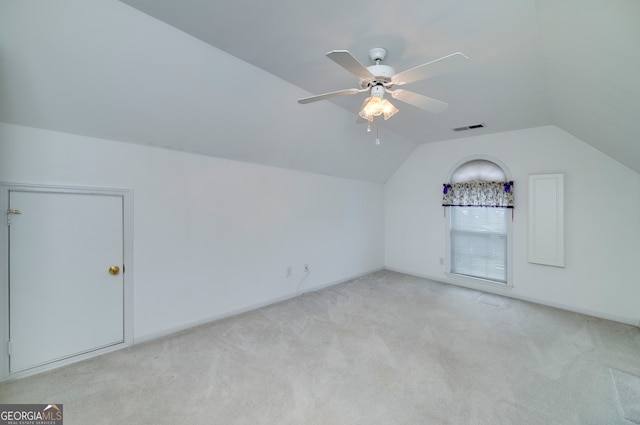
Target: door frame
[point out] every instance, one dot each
(127, 221)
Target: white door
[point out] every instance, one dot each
(63, 298)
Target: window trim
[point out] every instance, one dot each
(464, 279)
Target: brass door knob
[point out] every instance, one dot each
(114, 270)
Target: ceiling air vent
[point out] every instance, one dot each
(469, 127)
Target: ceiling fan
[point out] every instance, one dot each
(379, 79)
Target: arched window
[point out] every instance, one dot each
(478, 170)
(479, 195)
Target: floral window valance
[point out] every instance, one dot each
(478, 194)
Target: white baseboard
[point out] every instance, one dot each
(507, 291)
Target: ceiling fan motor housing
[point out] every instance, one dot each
(381, 73)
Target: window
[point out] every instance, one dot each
(478, 242)
(478, 236)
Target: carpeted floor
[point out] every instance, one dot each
(383, 349)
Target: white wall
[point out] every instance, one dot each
(211, 236)
(602, 210)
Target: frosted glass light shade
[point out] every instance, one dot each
(375, 106)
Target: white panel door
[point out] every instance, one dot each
(63, 300)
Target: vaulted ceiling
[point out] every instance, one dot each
(222, 77)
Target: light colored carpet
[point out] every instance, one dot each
(383, 349)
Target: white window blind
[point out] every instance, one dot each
(478, 242)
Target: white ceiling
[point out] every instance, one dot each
(226, 81)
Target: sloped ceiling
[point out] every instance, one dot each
(222, 77)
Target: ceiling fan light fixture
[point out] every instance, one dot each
(375, 106)
(388, 110)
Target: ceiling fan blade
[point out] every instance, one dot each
(423, 102)
(348, 62)
(324, 96)
(440, 66)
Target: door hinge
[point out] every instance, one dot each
(9, 347)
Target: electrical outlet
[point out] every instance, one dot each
(306, 268)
